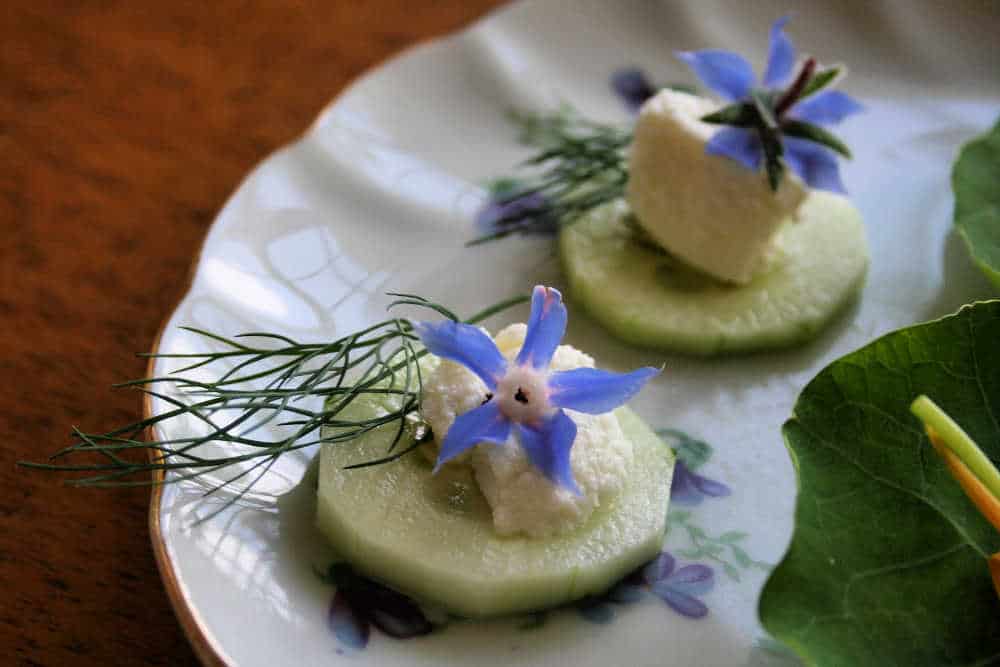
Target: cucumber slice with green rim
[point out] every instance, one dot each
(644, 297)
(431, 536)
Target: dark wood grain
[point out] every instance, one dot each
(123, 128)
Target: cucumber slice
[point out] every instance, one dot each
(646, 298)
(432, 537)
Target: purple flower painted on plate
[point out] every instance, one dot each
(732, 77)
(526, 398)
(361, 603)
(680, 587)
(633, 87)
(514, 208)
(690, 488)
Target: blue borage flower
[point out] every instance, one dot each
(526, 397)
(773, 126)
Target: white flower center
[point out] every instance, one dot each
(522, 395)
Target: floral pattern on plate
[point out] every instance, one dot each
(360, 603)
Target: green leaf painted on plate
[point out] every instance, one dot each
(976, 182)
(887, 565)
(693, 452)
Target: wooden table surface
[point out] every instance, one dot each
(124, 126)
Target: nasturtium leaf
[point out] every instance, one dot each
(888, 562)
(976, 182)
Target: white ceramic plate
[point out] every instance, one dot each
(379, 195)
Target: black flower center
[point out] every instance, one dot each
(520, 396)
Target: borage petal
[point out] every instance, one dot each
(546, 327)
(814, 164)
(465, 344)
(548, 445)
(727, 73)
(737, 144)
(828, 107)
(594, 391)
(780, 55)
(483, 424)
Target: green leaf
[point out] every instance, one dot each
(815, 133)
(976, 182)
(677, 517)
(772, 156)
(888, 565)
(741, 556)
(820, 80)
(712, 550)
(732, 536)
(762, 104)
(741, 114)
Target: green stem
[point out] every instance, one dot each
(959, 442)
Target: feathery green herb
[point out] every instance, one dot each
(579, 165)
(256, 386)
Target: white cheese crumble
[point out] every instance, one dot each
(521, 498)
(708, 210)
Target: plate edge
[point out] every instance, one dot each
(205, 647)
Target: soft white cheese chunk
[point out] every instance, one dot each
(708, 210)
(521, 498)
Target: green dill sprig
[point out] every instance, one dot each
(262, 379)
(579, 165)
